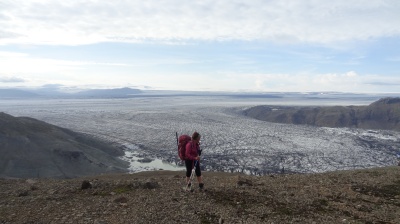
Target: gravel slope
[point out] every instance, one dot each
(358, 196)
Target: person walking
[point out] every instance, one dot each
(192, 160)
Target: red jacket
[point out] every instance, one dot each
(192, 150)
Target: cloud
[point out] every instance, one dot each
(383, 83)
(11, 63)
(78, 22)
(274, 82)
(8, 54)
(11, 79)
(338, 82)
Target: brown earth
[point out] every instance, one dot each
(357, 196)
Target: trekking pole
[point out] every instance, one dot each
(177, 141)
(189, 185)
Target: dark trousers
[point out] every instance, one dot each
(189, 166)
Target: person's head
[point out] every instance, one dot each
(196, 137)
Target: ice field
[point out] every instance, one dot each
(145, 127)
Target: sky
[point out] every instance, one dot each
(208, 45)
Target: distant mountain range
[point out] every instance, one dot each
(382, 114)
(122, 92)
(30, 148)
(16, 93)
(92, 93)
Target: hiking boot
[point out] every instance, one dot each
(201, 186)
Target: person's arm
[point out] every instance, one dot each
(198, 150)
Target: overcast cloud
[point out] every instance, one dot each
(263, 45)
(82, 21)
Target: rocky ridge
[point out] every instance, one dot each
(357, 196)
(33, 148)
(382, 114)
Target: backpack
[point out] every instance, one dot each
(182, 142)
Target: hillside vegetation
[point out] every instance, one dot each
(357, 196)
(32, 148)
(382, 114)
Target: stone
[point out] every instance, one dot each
(86, 185)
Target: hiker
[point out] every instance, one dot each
(192, 154)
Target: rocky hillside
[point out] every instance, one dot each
(357, 196)
(382, 114)
(32, 148)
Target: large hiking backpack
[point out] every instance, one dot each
(182, 142)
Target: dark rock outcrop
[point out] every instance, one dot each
(86, 185)
(382, 114)
(31, 148)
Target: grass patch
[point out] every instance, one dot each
(122, 189)
(386, 191)
(283, 209)
(208, 218)
(320, 204)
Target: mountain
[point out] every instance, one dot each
(120, 93)
(353, 196)
(16, 93)
(55, 92)
(382, 114)
(32, 148)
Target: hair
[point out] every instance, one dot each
(195, 135)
